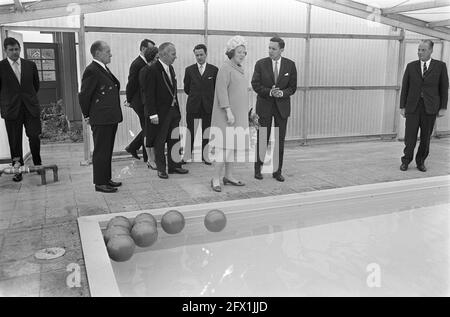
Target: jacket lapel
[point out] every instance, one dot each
(11, 71)
(269, 66)
(281, 71)
(428, 72)
(418, 68)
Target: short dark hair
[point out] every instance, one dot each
(201, 47)
(429, 42)
(150, 54)
(145, 42)
(96, 46)
(230, 53)
(279, 40)
(10, 41)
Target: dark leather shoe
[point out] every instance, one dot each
(215, 188)
(278, 177)
(404, 167)
(17, 177)
(421, 168)
(163, 175)
(132, 152)
(258, 175)
(207, 163)
(105, 189)
(114, 184)
(178, 170)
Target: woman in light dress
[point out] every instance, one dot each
(229, 121)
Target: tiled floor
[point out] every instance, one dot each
(33, 216)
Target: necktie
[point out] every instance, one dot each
(275, 72)
(424, 68)
(16, 69)
(201, 70)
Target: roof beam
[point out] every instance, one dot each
(439, 23)
(18, 6)
(59, 8)
(374, 14)
(417, 6)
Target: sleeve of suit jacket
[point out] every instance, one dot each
(405, 88)
(256, 82)
(292, 86)
(133, 81)
(35, 77)
(88, 85)
(187, 81)
(443, 87)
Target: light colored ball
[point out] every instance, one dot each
(172, 222)
(144, 234)
(215, 220)
(120, 248)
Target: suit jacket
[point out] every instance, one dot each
(433, 87)
(200, 88)
(133, 91)
(13, 94)
(99, 96)
(263, 80)
(159, 92)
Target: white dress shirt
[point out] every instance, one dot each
(166, 68)
(11, 62)
(143, 58)
(100, 63)
(278, 66)
(428, 65)
(204, 67)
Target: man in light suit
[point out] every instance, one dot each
(100, 105)
(134, 99)
(275, 81)
(199, 85)
(162, 106)
(424, 96)
(19, 84)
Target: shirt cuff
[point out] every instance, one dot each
(153, 117)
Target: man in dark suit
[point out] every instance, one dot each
(424, 96)
(19, 84)
(134, 99)
(162, 105)
(100, 105)
(199, 85)
(274, 80)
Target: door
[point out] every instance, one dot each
(45, 55)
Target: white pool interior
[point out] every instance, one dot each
(389, 239)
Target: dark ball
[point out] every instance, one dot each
(121, 248)
(145, 217)
(144, 234)
(120, 221)
(215, 220)
(115, 231)
(172, 222)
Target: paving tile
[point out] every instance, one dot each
(60, 284)
(23, 286)
(19, 268)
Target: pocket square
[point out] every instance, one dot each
(210, 77)
(287, 74)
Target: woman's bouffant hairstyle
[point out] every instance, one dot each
(230, 54)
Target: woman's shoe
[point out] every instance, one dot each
(215, 188)
(151, 166)
(226, 181)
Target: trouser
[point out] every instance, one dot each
(14, 129)
(263, 137)
(103, 136)
(138, 141)
(206, 123)
(164, 135)
(414, 121)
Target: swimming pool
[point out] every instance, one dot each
(386, 239)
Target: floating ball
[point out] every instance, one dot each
(120, 248)
(115, 231)
(172, 222)
(145, 217)
(144, 234)
(215, 220)
(120, 221)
